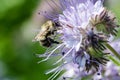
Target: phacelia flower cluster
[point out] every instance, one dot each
(83, 28)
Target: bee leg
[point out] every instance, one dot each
(52, 41)
(56, 42)
(45, 42)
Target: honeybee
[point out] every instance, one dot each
(46, 33)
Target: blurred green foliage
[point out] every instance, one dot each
(17, 60)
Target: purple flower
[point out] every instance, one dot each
(81, 42)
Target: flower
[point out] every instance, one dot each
(82, 42)
(78, 34)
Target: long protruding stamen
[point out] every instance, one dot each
(57, 70)
(79, 44)
(53, 70)
(55, 74)
(63, 56)
(45, 55)
(50, 53)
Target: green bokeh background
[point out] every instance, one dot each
(17, 51)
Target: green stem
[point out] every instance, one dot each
(113, 51)
(114, 60)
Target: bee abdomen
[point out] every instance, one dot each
(46, 44)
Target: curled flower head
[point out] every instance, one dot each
(79, 39)
(104, 21)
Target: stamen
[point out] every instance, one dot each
(51, 53)
(53, 70)
(79, 44)
(55, 74)
(63, 56)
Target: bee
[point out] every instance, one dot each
(46, 33)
